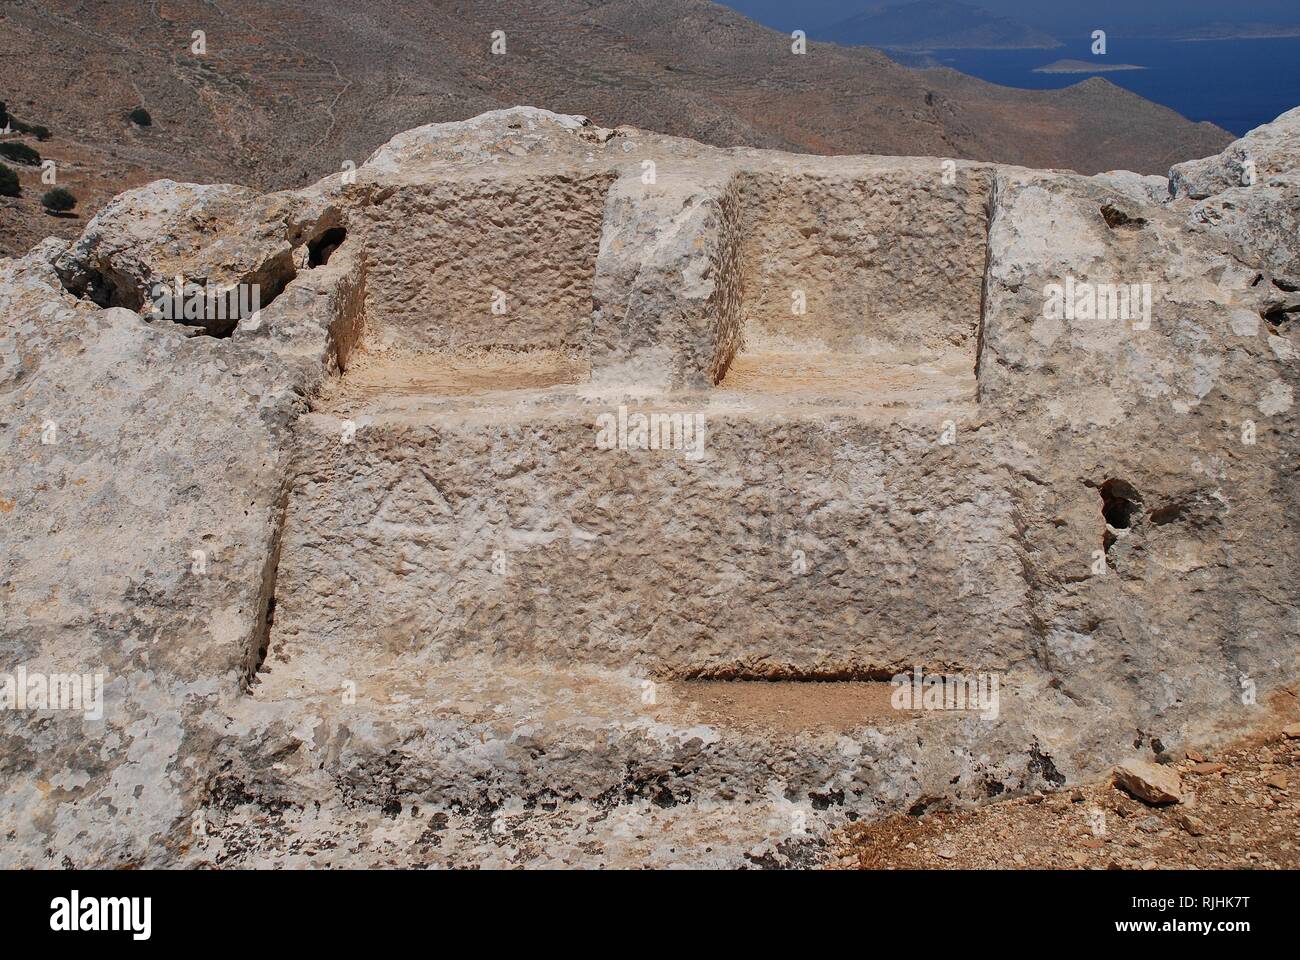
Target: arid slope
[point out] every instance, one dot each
(288, 91)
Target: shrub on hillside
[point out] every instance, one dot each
(20, 153)
(58, 200)
(141, 117)
(9, 186)
(4, 115)
(37, 130)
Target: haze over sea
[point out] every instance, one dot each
(1237, 84)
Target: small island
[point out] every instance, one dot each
(1085, 66)
(1252, 30)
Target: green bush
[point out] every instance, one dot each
(39, 131)
(20, 153)
(141, 116)
(9, 186)
(58, 200)
(4, 115)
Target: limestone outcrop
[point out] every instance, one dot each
(576, 495)
(1260, 155)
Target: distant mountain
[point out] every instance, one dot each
(934, 25)
(288, 91)
(1233, 31)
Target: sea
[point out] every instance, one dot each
(1237, 84)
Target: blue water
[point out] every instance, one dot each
(1237, 84)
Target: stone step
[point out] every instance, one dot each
(810, 534)
(636, 835)
(388, 734)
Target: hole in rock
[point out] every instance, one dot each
(320, 249)
(103, 291)
(219, 312)
(214, 312)
(1119, 504)
(264, 645)
(1280, 317)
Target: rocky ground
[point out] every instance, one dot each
(1240, 809)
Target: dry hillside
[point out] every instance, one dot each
(287, 91)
